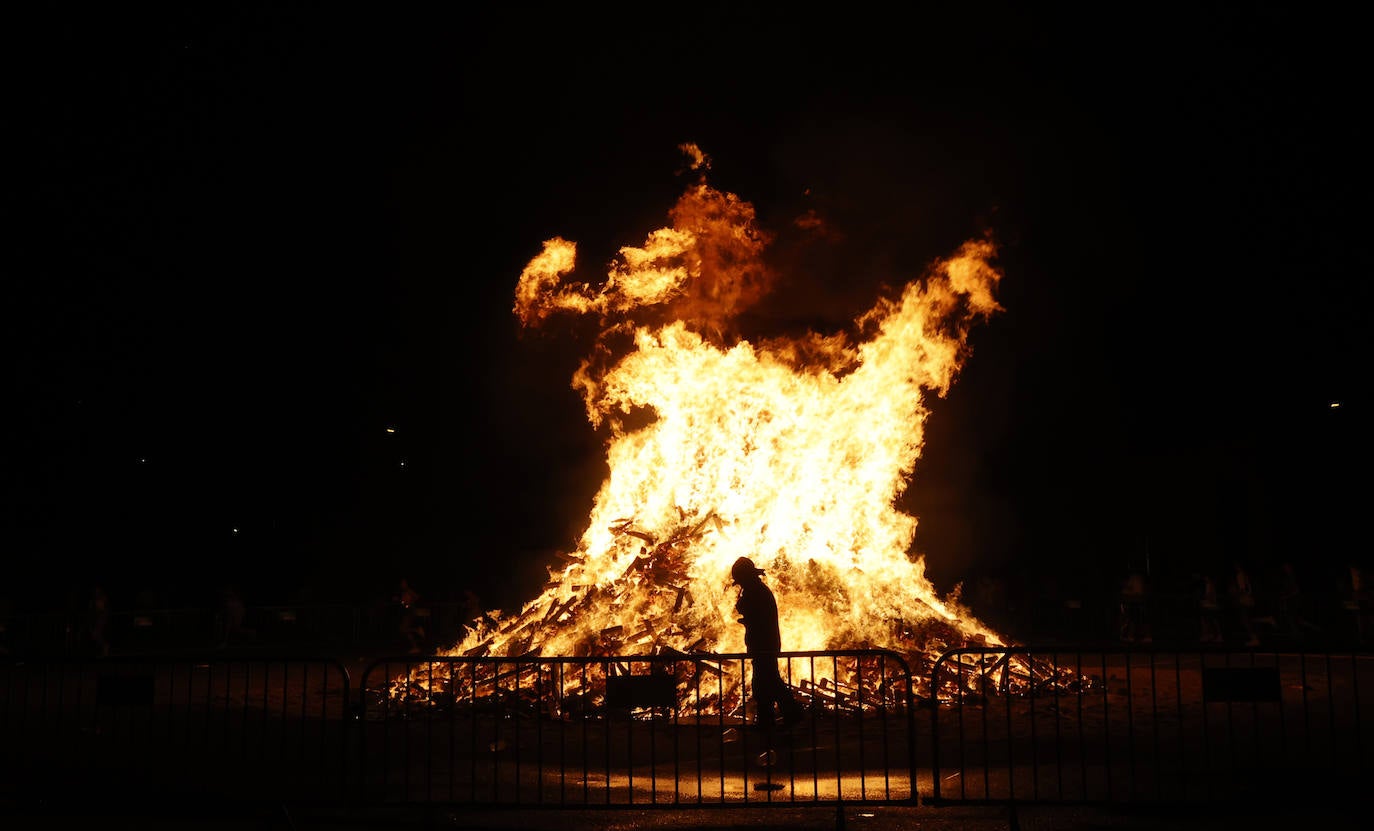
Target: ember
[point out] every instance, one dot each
(790, 451)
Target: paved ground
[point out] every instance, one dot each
(21, 808)
(269, 817)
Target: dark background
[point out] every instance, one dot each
(250, 241)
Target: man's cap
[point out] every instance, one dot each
(742, 568)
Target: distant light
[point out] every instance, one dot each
(403, 463)
(234, 531)
(142, 460)
(391, 429)
(1335, 405)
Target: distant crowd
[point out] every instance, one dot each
(1278, 606)
(91, 621)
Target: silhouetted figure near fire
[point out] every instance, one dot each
(758, 611)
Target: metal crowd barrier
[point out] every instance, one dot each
(1054, 725)
(1006, 725)
(260, 728)
(609, 732)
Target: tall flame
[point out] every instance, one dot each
(790, 451)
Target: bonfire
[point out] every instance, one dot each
(791, 451)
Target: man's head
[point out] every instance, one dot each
(744, 569)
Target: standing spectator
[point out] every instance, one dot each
(230, 618)
(1135, 609)
(1292, 612)
(990, 599)
(410, 626)
(472, 607)
(1209, 610)
(98, 622)
(1357, 601)
(1242, 593)
(6, 625)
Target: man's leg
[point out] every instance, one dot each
(765, 691)
(792, 709)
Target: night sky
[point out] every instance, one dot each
(252, 241)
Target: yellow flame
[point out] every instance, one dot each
(791, 451)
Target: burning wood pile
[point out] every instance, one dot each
(791, 451)
(655, 581)
(665, 623)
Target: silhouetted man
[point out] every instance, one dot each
(758, 611)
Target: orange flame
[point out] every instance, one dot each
(791, 451)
